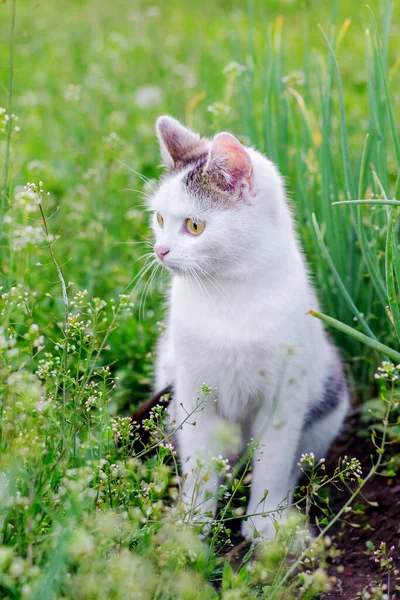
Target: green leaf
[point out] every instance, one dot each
(385, 202)
(357, 335)
(227, 577)
(389, 269)
(388, 101)
(370, 545)
(339, 281)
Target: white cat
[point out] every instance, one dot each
(238, 320)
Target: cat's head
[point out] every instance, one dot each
(208, 214)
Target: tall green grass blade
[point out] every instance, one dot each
(372, 201)
(339, 281)
(388, 101)
(369, 257)
(348, 175)
(357, 335)
(389, 268)
(361, 181)
(371, 262)
(397, 185)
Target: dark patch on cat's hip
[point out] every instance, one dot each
(335, 385)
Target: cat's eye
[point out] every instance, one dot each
(195, 227)
(160, 220)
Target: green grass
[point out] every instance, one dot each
(316, 89)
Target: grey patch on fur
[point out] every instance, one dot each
(206, 187)
(202, 183)
(209, 186)
(189, 160)
(194, 162)
(333, 394)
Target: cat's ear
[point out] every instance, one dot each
(229, 162)
(178, 144)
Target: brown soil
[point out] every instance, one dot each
(355, 569)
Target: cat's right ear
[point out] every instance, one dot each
(178, 144)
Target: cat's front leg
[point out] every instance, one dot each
(199, 442)
(273, 479)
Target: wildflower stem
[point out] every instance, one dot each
(59, 272)
(170, 434)
(65, 300)
(101, 348)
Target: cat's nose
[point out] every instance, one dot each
(161, 251)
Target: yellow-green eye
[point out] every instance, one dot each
(195, 227)
(160, 220)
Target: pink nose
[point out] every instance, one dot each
(161, 251)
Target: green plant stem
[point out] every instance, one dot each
(389, 106)
(384, 202)
(357, 335)
(65, 301)
(339, 281)
(390, 270)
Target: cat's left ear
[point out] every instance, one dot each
(178, 144)
(230, 163)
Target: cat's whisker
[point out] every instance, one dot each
(201, 284)
(147, 256)
(160, 273)
(214, 282)
(143, 297)
(146, 269)
(152, 279)
(144, 206)
(136, 280)
(148, 286)
(208, 275)
(190, 271)
(141, 192)
(149, 244)
(133, 172)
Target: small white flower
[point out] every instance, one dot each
(233, 68)
(73, 92)
(219, 109)
(148, 96)
(28, 235)
(307, 460)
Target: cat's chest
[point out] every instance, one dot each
(230, 355)
(215, 324)
(227, 340)
(242, 348)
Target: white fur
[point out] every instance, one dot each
(242, 326)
